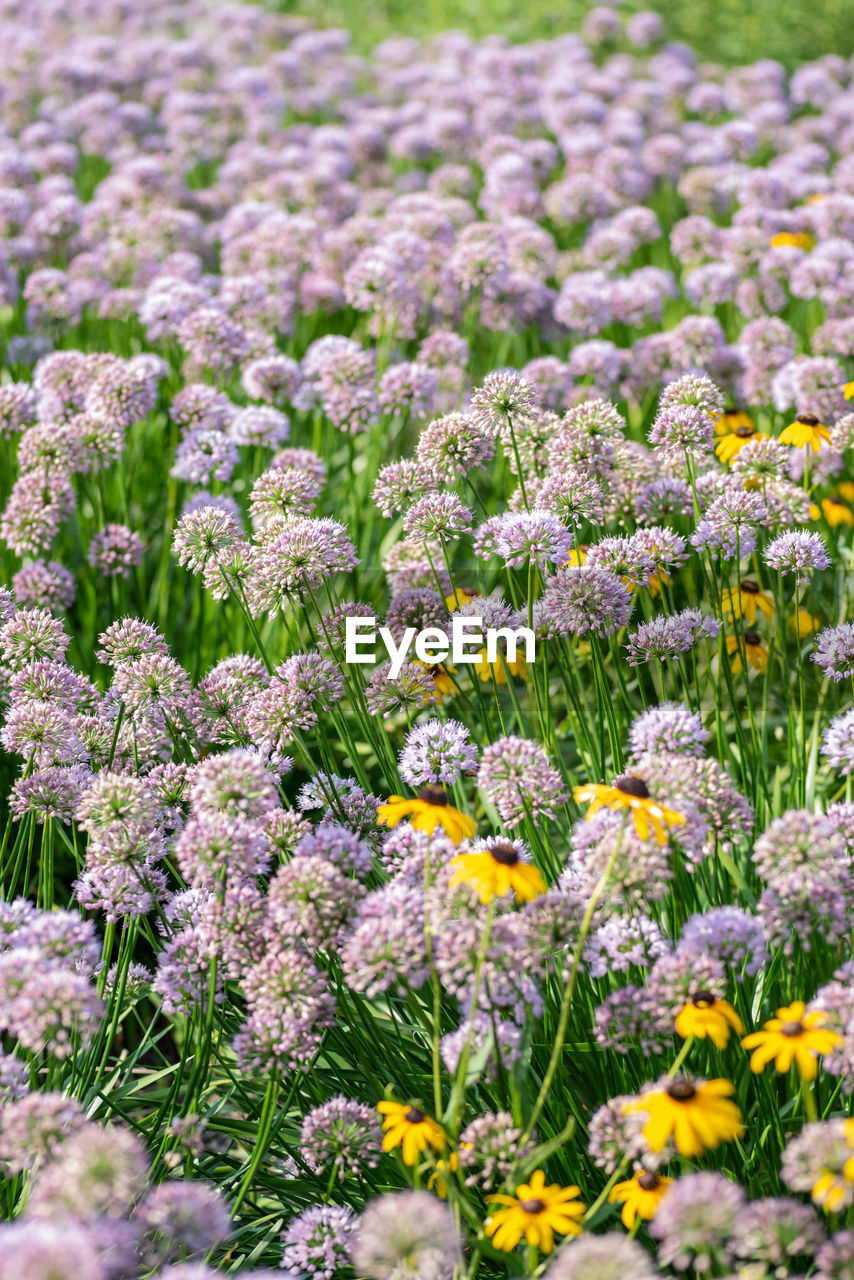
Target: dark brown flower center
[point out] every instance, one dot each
(433, 795)
(681, 1090)
(415, 1115)
(504, 853)
(752, 637)
(531, 1206)
(703, 999)
(791, 1028)
(648, 1181)
(749, 587)
(834, 501)
(808, 420)
(743, 433)
(631, 785)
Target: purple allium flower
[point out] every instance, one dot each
(411, 689)
(236, 783)
(115, 550)
(260, 426)
(834, 651)
(310, 900)
(44, 585)
(777, 1230)
(582, 599)
(625, 556)
(519, 538)
(32, 635)
(728, 527)
(96, 1171)
(387, 944)
(797, 552)
(409, 387)
(695, 1221)
(625, 1023)
(835, 1257)
(46, 1005)
(179, 1220)
(501, 401)
(674, 980)
(515, 776)
(640, 870)
(272, 379)
(838, 743)
(732, 936)
(205, 456)
(302, 554)
(341, 1136)
(450, 448)
(318, 1241)
(623, 941)
(437, 752)
(406, 1235)
(213, 844)
(667, 637)
(288, 1010)
(609, 1256)
(490, 1146)
(439, 516)
(41, 1250)
(127, 640)
(573, 495)
(34, 1127)
(399, 484)
(670, 727)
(277, 494)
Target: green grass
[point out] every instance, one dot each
(727, 31)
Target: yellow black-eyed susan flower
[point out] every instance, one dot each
(640, 1196)
(494, 868)
(411, 1129)
(806, 432)
(747, 601)
(427, 811)
(704, 1016)
(697, 1114)
(538, 1212)
(629, 791)
(754, 649)
(793, 1036)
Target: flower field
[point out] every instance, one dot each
(427, 544)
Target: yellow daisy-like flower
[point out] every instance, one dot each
(835, 511)
(757, 654)
(794, 239)
(848, 390)
(747, 602)
(832, 1189)
(494, 870)
(728, 422)
(438, 1181)
(657, 581)
(537, 1212)
(697, 1114)
(630, 792)
(805, 623)
(427, 811)
(793, 1036)
(640, 1196)
(704, 1016)
(575, 559)
(806, 432)
(458, 598)
(411, 1129)
(733, 441)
